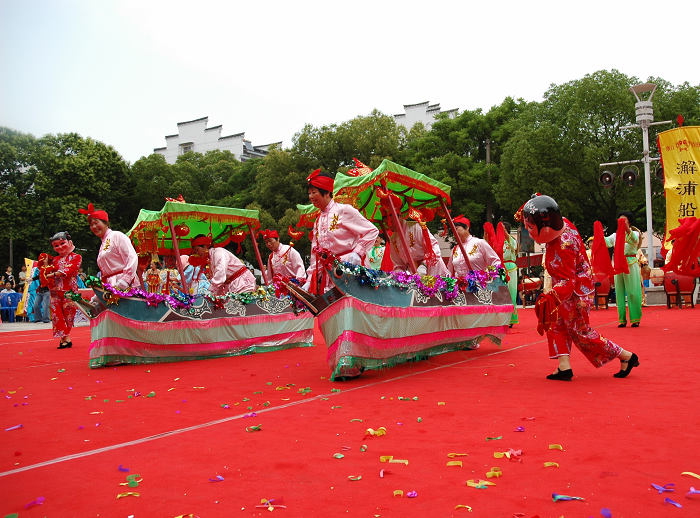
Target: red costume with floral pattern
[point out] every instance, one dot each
(572, 282)
(63, 310)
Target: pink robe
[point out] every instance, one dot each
(117, 260)
(223, 265)
(63, 310)
(286, 261)
(341, 229)
(416, 243)
(480, 253)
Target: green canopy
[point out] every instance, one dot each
(151, 232)
(415, 189)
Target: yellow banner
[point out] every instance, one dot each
(680, 156)
(23, 303)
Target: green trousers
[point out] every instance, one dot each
(513, 289)
(629, 286)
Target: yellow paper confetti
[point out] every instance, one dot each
(441, 403)
(398, 461)
(501, 454)
(376, 433)
(551, 464)
(385, 458)
(462, 506)
(690, 474)
(453, 455)
(556, 447)
(454, 463)
(127, 493)
(398, 492)
(495, 472)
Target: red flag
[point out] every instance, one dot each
(600, 259)
(619, 254)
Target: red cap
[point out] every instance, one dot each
(461, 219)
(320, 182)
(267, 234)
(94, 213)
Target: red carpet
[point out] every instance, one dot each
(182, 428)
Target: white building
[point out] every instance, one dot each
(421, 112)
(195, 136)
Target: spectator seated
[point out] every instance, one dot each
(8, 305)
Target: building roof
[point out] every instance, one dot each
(412, 105)
(195, 120)
(234, 135)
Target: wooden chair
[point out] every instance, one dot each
(679, 289)
(528, 285)
(601, 283)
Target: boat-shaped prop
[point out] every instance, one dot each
(139, 327)
(373, 319)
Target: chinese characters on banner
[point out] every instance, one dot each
(680, 156)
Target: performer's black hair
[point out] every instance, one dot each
(58, 236)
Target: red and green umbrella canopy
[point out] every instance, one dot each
(407, 189)
(151, 233)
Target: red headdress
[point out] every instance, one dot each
(201, 240)
(267, 234)
(461, 219)
(94, 213)
(319, 181)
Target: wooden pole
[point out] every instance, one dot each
(454, 231)
(402, 236)
(257, 254)
(176, 247)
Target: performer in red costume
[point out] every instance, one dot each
(339, 228)
(284, 259)
(228, 273)
(563, 312)
(65, 277)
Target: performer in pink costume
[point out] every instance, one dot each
(339, 228)
(564, 311)
(480, 253)
(284, 260)
(64, 269)
(228, 273)
(426, 263)
(117, 258)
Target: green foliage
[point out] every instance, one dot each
(554, 147)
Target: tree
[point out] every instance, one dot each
(55, 176)
(558, 145)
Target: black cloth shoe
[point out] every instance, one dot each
(561, 375)
(65, 345)
(636, 324)
(622, 325)
(631, 363)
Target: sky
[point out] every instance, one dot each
(126, 72)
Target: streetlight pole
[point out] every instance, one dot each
(645, 117)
